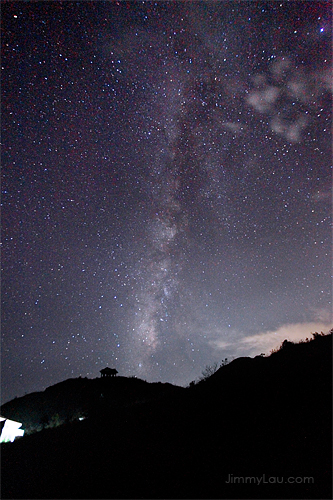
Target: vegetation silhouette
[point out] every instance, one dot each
(268, 417)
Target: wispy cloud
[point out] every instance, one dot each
(264, 342)
(291, 99)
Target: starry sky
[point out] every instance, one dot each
(166, 185)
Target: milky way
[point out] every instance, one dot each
(166, 185)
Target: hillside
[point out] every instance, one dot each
(267, 418)
(75, 398)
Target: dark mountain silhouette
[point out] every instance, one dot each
(77, 398)
(256, 428)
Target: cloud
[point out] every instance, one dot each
(291, 131)
(321, 314)
(322, 195)
(263, 100)
(298, 88)
(294, 96)
(233, 127)
(264, 342)
(324, 80)
(280, 67)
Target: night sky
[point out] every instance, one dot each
(166, 185)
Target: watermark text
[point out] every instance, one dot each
(258, 480)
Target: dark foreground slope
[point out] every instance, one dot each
(254, 423)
